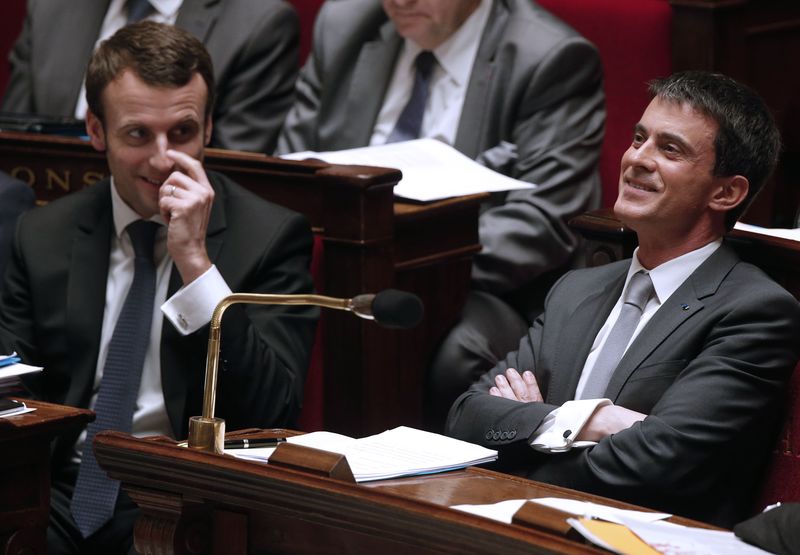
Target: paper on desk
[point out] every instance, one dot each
(783, 233)
(432, 170)
(675, 539)
(504, 510)
(402, 451)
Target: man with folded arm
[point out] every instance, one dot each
(658, 380)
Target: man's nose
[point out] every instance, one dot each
(159, 159)
(642, 156)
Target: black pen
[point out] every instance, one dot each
(253, 443)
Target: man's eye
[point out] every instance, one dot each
(638, 138)
(136, 133)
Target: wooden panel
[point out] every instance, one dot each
(293, 512)
(756, 42)
(373, 378)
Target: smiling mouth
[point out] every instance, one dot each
(154, 182)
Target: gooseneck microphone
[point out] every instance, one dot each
(390, 308)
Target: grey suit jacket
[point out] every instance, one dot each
(15, 198)
(709, 369)
(253, 45)
(51, 310)
(533, 110)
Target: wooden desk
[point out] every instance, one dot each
(374, 378)
(208, 503)
(25, 473)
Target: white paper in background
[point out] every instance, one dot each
(783, 233)
(504, 510)
(432, 170)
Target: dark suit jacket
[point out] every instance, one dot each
(51, 311)
(15, 198)
(253, 44)
(534, 110)
(709, 369)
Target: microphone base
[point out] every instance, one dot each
(207, 434)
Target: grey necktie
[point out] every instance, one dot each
(95, 493)
(138, 10)
(409, 123)
(640, 289)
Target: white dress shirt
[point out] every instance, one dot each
(189, 309)
(573, 415)
(166, 11)
(449, 82)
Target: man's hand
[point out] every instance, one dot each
(608, 420)
(517, 388)
(185, 201)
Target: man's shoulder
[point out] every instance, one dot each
(242, 202)
(528, 19)
(72, 205)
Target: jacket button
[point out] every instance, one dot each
(512, 434)
(504, 435)
(496, 436)
(489, 435)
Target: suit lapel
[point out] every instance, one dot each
(576, 340)
(473, 113)
(198, 16)
(86, 290)
(680, 307)
(371, 77)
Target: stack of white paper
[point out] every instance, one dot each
(402, 451)
(10, 371)
(432, 170)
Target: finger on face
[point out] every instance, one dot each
(191, 166)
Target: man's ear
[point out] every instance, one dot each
(729, 193)
(207, 131)
(94, 128)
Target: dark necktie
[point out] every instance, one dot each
(640, 289)
(138, 10)
(95, 494)
(409, 123)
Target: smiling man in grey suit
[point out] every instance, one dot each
(75, 272)
(512, 87)
(683, 420)
(253, 44)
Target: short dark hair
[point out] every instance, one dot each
(161, 55)
(748, 142)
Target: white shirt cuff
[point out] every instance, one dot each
(192, 306)
(558, 431)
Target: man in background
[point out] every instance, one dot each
(505, 83)
(15, 198)
(658, 380)
(111, 289)
(253, 44)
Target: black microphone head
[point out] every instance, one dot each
(397, 309)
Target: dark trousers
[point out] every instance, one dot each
(63, 536)
(488, 330)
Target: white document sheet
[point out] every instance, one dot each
(402, 451)
(784, 233)
(504, 510)
(675, 539)
(432, 170)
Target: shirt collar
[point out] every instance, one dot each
(456, 55)
(668, 276)
(123, 214)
